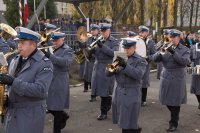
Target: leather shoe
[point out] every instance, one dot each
(171, 128)
(139, 130)
(65, 118)
(85, 91)
(92, 99)
(144, 104)
(102, 117)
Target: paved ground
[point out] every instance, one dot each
(153, 118)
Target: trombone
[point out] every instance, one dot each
(45, 36)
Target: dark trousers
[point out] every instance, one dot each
(130, 131)
(144, 94)
(87, 85)
(198, 98)
(174, 110)
(105, 104)
(58, 120)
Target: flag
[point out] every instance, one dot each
(26, 13)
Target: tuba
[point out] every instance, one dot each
(80, 55)
(3, 95)
(7, 31)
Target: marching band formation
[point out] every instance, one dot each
(36, 78)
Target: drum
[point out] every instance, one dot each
(140, 46)
(194, 70)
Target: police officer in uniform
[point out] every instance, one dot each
(58, 95)
(101, 84)
(173, 77)
(28, 79)
(131, 34)
(195, 84)
(150, 47)
(164, 41)
(126, 100)
(49, 28)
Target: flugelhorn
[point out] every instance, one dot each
(113, 67)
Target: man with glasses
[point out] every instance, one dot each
(58, 95)
(173, 77)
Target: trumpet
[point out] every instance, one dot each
(92, 45)
(113, 67)
(47, 47)
(164, 48)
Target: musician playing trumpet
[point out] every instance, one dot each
(101, 84)
(173, 77)
(126, 100)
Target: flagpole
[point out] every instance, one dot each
(34, 6)
(20, 12)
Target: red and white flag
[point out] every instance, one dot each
(26, 13)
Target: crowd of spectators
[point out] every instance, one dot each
(67, 24)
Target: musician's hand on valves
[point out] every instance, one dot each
(47, 54)
(6, 79)
(122, 62)
(100, 43)
(171, 50)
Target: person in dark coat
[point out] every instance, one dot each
(151, 49)
(87, 74)
(126, 100)
(195, 83)
(29, 77)
(59, 93)
(101, 84)
(173, 77)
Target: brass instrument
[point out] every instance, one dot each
(93, 44)
(113, 67)
(46, 47)
(81, 35)
(165, 44)
(7, 31)
(45, 36)
(3, 96)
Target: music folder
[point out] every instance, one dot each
(120, 54)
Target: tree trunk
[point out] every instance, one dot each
(159, 13)
(175, 12)
(197, 9)
(181, 15)
(165, 13)
(142, 5)
(191, 13)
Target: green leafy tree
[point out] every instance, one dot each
(12, 11)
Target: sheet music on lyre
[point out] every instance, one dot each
(3, 60)
(120, 54)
